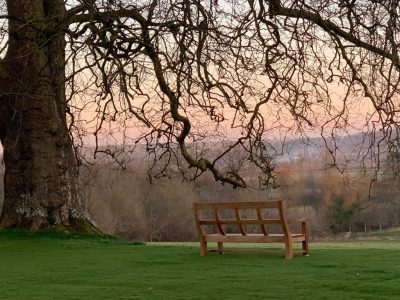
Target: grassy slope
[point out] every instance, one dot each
(52, 267)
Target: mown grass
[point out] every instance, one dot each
(53, 266)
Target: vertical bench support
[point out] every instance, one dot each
(203, 247)
(286, 233)
(220, 230)
(220, 247)
(305, 233)
(203, 242)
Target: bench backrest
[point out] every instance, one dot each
(239, 221)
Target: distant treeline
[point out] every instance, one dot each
(125, 203)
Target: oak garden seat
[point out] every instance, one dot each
(216, 220)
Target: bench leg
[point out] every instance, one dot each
(305, 242)
(220, 248)
(203, 248)
(288, 250)
(305, 248)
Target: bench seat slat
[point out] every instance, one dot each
(252, 238)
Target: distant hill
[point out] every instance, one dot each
(349, 150)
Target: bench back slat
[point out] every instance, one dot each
(240, 222)
(216, 207)
(237, 205)
(240, 225)
(218, 221)
(260, 218)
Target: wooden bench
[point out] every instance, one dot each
(216, 220)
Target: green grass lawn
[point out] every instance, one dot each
(44, 266)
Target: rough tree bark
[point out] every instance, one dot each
(40, 179)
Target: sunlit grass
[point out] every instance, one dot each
(54, 267)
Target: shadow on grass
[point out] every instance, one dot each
(59, 234)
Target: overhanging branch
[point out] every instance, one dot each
(277, 9)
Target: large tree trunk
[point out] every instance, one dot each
(40, 183)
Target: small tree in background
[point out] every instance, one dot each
(340, 215)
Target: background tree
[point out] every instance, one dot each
(177, 76)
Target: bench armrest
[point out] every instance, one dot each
(302, 222)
